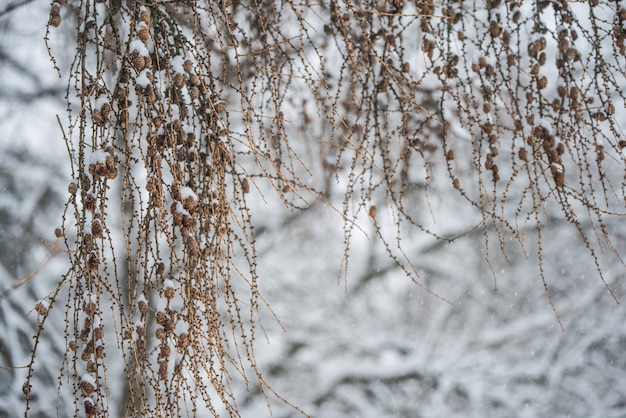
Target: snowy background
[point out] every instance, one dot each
(373, 345)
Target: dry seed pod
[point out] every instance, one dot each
(245, 186)
(450, 155)
(456, 183)
(372, 211)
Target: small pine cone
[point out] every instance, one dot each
(179, 80)
(160, 334)
(87, 352)
(92, 366)
(87, 387)
(144, 16)
(183, 341)
(141, 331)
(192, 246)
(88, 242)
(559, 179)
(144, 34)
(160, 268)
(543, 82)
(111, 174)
(522, 153)
(105, 110)
(97, 117)
(26, 388)
(188, 66)
(163, 370)
(90, 407)
(139, 63)
(127, 335)
(194, 80)
(90, 308)
(165, 351)
(55, 16)
(161, 318)
(194, 92)
(98, 333)
(169, 325)
(100, 352)
(143, 307)
(96, 228)
(42, 308)
(90, 202)
(511, 59)
(93, 261)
